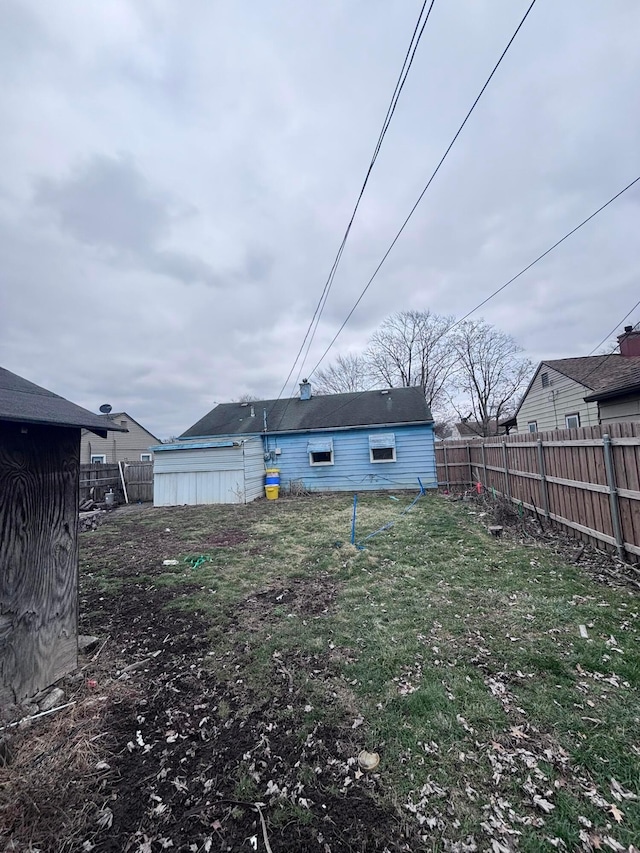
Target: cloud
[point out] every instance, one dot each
(109, 204)
(175, 187)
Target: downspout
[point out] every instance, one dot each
(265, 438)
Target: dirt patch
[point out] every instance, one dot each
(227, 538)
(172, 747)
(306, 597)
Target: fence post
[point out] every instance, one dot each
(506, 470)
(484, 467)
(469, 461)
(446, 465)
(613, 496)
(543, 478)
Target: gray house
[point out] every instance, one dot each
(39, 464)
(566, 393)
(130, 445)
(336, 442)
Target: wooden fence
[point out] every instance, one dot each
(586, 479)
(98, 479)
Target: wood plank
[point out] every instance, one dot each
(38, 557)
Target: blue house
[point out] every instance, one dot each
(337, 442)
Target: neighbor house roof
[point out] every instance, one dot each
(115, 417)
(601, 373)
(21, 400)
(331, 411)
(474, 429)
(606, 375)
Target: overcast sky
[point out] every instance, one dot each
(176, 179)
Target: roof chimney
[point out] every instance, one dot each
(629, 342)
(305, 390)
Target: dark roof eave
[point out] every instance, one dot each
(100, 431)
(623, 391)
(312, 429)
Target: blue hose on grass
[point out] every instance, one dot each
(389, 524)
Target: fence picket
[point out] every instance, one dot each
(585, 481)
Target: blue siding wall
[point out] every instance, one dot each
(352, 470)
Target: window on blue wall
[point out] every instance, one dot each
(382, 447)
(320, 452)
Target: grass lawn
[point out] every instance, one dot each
(458, 658)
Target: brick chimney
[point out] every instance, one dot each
(305, 390)
(629, 342)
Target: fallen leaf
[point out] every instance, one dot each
(617, 814)
(517, 733)
(621, 793)
(543, 804)
(105, 818)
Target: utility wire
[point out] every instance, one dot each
(404, 72)
(528, 267)
(619, 323)
(544, 254)
(601, 364)
(428, 184)
(390, 112)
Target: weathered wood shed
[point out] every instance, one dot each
(39, 464)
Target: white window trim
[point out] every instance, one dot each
(572, 415)
(381, 461)
(98, 458)
(533, 424)
(146, 457)
(382, 441)
(320, 464)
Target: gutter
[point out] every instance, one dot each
(201, 445)
(323, 429)
(616, 392)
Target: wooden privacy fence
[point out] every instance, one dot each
(132, 481)
(586, 479)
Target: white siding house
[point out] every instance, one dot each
(566, 393)
(208, 472)
(553, 401)
(130, 446)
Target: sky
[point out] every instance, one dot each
(177, 177)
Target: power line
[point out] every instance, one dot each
(601, 364)
(390, 112)
(428, 184)
(528, 267)
(402, 77)
(544, 254)
(619, 323)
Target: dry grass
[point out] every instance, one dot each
(53, 762)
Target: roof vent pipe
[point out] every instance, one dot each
(305, 390)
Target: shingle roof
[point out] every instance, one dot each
(116, 416)
(365, 408)
(603, 374)
(23, 401)
(473, 428)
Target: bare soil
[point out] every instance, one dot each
(148, 758)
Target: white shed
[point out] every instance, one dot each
(208, 472)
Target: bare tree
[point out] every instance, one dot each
(490, 373)
(245, 398)
(412, 348)
(442, 429)
(346, 373)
